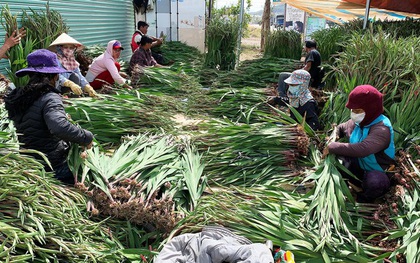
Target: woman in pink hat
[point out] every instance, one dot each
(105, 69)
(39, 117)
(370, 149)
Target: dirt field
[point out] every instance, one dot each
(251, 43)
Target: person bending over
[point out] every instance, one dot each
(370, 149)
(39, 117)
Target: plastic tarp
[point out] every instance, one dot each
(340, 11)
(409, 6)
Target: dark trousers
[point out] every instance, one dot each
(374, 184)
(282, 87)
(63, 173)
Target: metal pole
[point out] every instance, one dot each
(238, 44)
(210, 7)
(366, 14)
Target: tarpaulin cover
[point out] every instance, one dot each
(340, 11)
(409, 6)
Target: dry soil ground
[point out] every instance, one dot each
(250, 48)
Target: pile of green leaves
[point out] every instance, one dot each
(283, 44)
(42, 221)
(113, 116)
(141, 178)
(221, 39)
(251, 154)
(43, 26)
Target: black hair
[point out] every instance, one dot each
(141, 24)
(145, 40)
(310, 43)
(20, 99)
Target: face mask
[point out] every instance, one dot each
(294, 90)
(357, 117)
(68, 52)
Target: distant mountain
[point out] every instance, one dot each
(277, 9)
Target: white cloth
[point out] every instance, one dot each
(213, 245)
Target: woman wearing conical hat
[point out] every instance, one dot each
(65, 46)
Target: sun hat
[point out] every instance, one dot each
(298, 77)
(64, 39)
(117, 45)
(41, 61)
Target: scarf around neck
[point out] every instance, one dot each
(67, 59)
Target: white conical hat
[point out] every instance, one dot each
(65, 39)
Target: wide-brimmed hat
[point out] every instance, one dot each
(298, 77)
(41, 61)
(64, 39)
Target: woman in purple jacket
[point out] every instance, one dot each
(370, 150)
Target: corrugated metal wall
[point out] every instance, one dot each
(91, 21)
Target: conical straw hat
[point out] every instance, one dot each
(65, 39)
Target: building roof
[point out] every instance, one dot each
(340, 11)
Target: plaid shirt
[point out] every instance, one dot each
(142, 57)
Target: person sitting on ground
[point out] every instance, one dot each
(299, 97)
(39, 117)
(65, 46)
(313, 63)
(11, 41)
(105, 69)
(370, 150)
(142, 57)
(141, 31)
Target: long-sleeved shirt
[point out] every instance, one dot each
(105, 62)
(143, 58)
(376, 142)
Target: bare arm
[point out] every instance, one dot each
(11, 41)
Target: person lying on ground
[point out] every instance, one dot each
(65, 46)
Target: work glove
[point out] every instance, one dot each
(88, 88)
(76, 89)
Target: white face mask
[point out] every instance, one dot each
(294, 90)
(357, 117)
